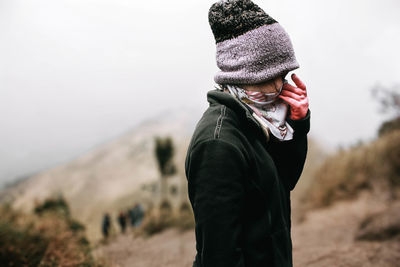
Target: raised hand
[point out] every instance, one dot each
(296, 97)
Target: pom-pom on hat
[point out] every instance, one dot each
(252, 47)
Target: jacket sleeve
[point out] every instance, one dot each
(215, 172)
(290, 156)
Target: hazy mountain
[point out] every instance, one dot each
(103, 179)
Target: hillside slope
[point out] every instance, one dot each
(99, 180)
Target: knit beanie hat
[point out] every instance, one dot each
(252, 47)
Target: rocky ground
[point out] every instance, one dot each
(325, 237)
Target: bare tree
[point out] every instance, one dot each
(389, 100)
(164, 151)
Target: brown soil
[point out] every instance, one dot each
(326, 237)
(171, 248)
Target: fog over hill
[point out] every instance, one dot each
(13, 173)
(94, 182)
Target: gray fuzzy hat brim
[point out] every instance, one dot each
(256, 56)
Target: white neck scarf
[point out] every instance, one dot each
(269, 110)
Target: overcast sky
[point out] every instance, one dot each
(76, 73)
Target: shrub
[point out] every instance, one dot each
(389, 126)
(45, 240)
(75, 226)
(186, 218)
(158, 220)
(58, 205)
(20, 246)
(374, 166)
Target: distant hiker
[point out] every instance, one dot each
(139, 214)
(132, 216)
(122, 221)
(249, 148)
(106, 225)
(136, 215)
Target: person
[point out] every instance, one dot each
(248, 149)
(132, 215)
(122, 221)
(106, 224)
(139, 214)
(136, 215)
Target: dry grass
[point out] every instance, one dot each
(48, 238)
(374, 167)
(164, 217)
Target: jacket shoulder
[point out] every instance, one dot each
(218, 122)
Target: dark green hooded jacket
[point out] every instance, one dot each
(239, 186)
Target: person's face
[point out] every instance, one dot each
(269, 87)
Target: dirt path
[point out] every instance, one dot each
(170, 248)
(324, 238)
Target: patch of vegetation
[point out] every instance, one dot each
(389, 126)
(54, 205)
(374, 166)
(165, 217)
(185, 217)
(20, 246)
(43, 238)
(158, 219)
(75, 226)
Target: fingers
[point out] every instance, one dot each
(292, 102)
(292, 95)
(295, 102)
(296, 98)
(298, 108)
(298, 82)
(293, 89)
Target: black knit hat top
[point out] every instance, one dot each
(231, 18)
(251, 47)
